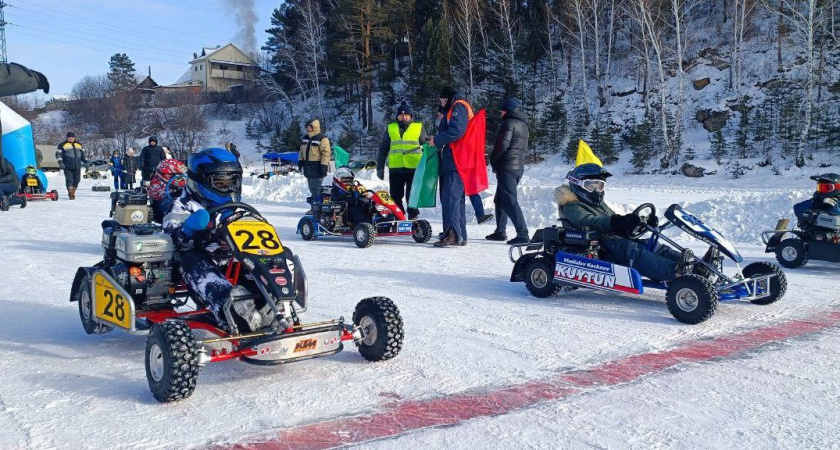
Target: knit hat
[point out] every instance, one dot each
(448, 92)
(71, 134)
(404, 108)
(511, 105)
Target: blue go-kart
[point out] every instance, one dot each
(561, 259)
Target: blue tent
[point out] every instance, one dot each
(291, 157)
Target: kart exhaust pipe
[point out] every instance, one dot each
(782, 224)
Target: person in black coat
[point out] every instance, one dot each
(150, 157)
(9, 184)
(508, 162)
(130, 168)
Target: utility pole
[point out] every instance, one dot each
(3, 24)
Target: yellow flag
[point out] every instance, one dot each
(586, 156)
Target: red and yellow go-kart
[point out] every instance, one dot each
(136, 288)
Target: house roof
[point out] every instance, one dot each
(207, 52)
(147, 83)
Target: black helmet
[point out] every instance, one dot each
(215, 176)
(828, 185)
(587, 181)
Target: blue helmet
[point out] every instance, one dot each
(215, 177)
(587, 181)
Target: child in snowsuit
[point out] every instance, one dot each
(30, 183)
(163, 189)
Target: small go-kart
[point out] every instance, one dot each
(97, 169)
(349, 209)
(817, 237)
(136, 288)
(561, 259)
(33, 191)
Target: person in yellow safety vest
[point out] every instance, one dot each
(402, 148)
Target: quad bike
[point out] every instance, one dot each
(96, 170)
(332, 214)
(561, 258)
(136, 288)
(817, 236)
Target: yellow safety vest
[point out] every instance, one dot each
(405, 150)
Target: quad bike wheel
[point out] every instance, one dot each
(539, 278)
(364, 235)
(307, 229)
(778, 283)
(171, 361)
(421, 231)
(692, 299)
(380, 320)
(84, 297)
(791, 253)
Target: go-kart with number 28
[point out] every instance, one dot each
(137, 288)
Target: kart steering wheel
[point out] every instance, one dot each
(642, 228)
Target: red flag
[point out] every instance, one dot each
(468, 153)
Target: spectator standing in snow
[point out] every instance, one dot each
(9, 184)
(314, 156)
(150, 157)
(400, 149)
(130, 167)
(117, 170)
(71, 157)
(231, 147)
(508, 162)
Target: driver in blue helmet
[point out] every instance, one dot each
(580, 202)
(214, 178)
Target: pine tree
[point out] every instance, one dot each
(122, 75)
(601, 141)
(640, 139)
(578, 132)
(719, 148)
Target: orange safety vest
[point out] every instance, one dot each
(470, 113)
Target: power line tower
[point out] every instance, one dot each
(3, 24)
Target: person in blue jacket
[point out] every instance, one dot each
(453, 125)
(117, 170)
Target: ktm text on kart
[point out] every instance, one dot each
(385, 218)
(136, 288)
(560, 258)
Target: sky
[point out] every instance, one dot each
(68, 39)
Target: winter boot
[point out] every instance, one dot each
(485, 218)
(712, 258)
(685, 265)
(413, 213)
(496, 236)
(450, 239)
(4, 203)
(518, 240)
(71, 193)
(21, 201)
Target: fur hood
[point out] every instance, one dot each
(563, 195)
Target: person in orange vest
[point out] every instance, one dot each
(456, 115)
(401, 150)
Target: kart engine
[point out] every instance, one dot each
(331, 214)
(140, 260)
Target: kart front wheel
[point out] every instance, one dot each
(171, 361)
(539, 279)
(791, 253)
(84, 297)
(421, 231)
(382, 327)
(778, 283)
(692, 299)
(307, 229)
(54, 196)
(364, 235)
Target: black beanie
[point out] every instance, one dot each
(404, 108)
(71, 134)
(447, 93)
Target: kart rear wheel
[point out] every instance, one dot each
(307, 229)
(421, 231)
(692, 299)
(791, 253)
(539, 278)
(380, 320)
(84, 297)
(54, 195)
(778, 283)
(171, 361)
(364, 235)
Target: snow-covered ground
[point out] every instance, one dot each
(467, 329)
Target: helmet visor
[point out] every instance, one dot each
(225, 182)
(825, 188)
(589, 185)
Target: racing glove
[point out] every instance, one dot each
(380, 173)
(653, 221)
(197, 221)
(624, 224)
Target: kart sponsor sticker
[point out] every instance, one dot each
(591, 273)
(137, 216)
(276, 271)
(306, 345)
(285, 290)
(255, 237)
(281, 281)
(404, 227)
(248, 263)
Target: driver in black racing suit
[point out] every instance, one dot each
(214, 179)
(580, 202)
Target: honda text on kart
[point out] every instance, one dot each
(136, 288)
(347, 208)
(560, 258)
